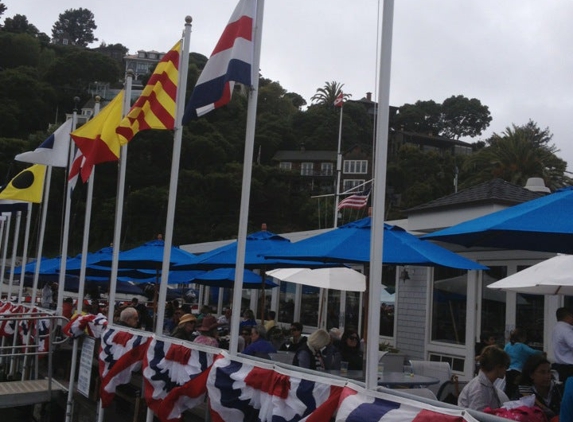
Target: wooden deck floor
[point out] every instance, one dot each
(23, 393)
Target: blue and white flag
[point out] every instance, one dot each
(230, 63)
(53, 151)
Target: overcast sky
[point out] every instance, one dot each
(512, 55)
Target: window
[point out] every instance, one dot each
(449, 305)
(141, 54)
(65, 41)
(493, 303)
(306, 169)
(326, 169)
(287, 296)
(529, 316)
(348, 184)
(355, 166)
(285, 165)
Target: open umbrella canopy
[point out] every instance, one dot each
(174, 277)
(351, 243)
(225, 277)
(150, 256)
(553, 276)
(48, 266)
(340, 278)
(542, 224)
(257, 244)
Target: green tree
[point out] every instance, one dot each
(328, 93)
(456, 117)
(19, 49)
(515, 155)
(2, 10)
(78, 24)
(19, 24)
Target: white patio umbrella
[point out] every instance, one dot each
(551, 277)
(338, 278)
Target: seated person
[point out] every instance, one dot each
(295, 340)
(209, 335)
(309, 354)
(259, 346)
(536, 379)
(350, 349)
(186, 328)
(480, 392)
(270, 322)
(486, 339)
(248, 319)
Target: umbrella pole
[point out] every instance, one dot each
(454, 322)
(263, 298)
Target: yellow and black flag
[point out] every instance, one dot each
(28, 185)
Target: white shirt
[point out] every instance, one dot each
(562, 340)
(480, 393)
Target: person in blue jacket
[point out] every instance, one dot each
(259, 346)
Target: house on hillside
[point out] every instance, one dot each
(316, 170)
(142, 64)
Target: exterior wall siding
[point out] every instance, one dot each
(412, 314)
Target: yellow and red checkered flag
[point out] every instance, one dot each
(155, 108)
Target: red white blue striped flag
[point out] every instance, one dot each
(230, 63)
(357, 201)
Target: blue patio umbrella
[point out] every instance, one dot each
(225, 277)
(351, 243)
(174, 277)
(542, 224)
(257, 244)
(150, 256)
(47, 266)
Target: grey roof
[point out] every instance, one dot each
(305, 156)
(495, 191)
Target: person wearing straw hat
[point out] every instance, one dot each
(208, 332)
(185, 328)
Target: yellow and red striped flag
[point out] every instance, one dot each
(97, 139)
(155, 108)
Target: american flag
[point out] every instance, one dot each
(357, 201)
(121, 354)
(175, 378)
(240, 391)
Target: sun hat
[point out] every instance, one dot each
(187, 318)
(208, 323)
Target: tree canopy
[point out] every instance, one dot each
(77, 24)
(328, 93)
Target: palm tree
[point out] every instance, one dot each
(328, 93)
(516, 155)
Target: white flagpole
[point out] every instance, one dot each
(118, 218)
(25, 252)
(119, 204)
(14, 251)
(67, 212)
(338, 169)
(379, 191)
(5, 251)
(47, 183)
(82, 280)
(247, 175)
(171, 202)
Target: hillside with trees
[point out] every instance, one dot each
(41, 78)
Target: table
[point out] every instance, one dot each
(391, 379)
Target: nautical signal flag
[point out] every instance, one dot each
(53, 151)
(231, 62)
(97, 139)
(339, 100)
(155, 108)
(357, 201)
(27, 186)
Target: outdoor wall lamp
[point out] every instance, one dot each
(404, 274)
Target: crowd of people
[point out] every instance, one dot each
(526, 372)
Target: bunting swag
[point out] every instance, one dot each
(155, 108)
(121, 354)
(27, 186)
(97, 139)
(175, 378)
(53, 151)
(240, 391)
(230, 62)
(92, 325)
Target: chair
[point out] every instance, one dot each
(282, 357)
(392, 362)
(450, 390)
(439, 370)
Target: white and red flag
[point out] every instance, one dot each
(339, 100)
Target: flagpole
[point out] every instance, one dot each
(175, 161)
(379, 188)
(14, 250)
(118, 218)
(5, 251)
(25, 251)
(247, 175)
(67, 212)
(40, 249)
(338, 169)
(82, 280)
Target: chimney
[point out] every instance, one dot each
(369, 96)
(536, 184)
